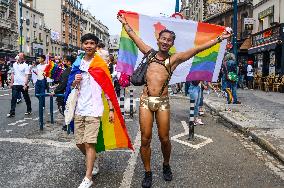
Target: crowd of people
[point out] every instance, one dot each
(154, 100)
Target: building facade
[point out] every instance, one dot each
(114, 44)
(33, 31)
(267, 38)
(224, 16)
(89, 24)
(192, 9)
(8, 28)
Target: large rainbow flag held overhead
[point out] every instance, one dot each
(111, 135)
(204, 66)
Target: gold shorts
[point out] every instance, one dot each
(155, 103)
(86, 129)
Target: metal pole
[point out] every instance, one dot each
(40, 111)
(191, 120)
(21, 26)
(131, 103)
(177, 6)
(235, 29)
(51, 110)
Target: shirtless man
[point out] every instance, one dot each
(154, 100)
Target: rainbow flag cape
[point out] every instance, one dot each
(204, 66)
(111, 135)
(53, 70)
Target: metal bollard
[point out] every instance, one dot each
(191, 120)
(121, 105)
(131, 103)
(40, 112)
(51, 110)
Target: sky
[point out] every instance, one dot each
(106, 10)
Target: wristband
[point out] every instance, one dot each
(111, 110)
(219, 39)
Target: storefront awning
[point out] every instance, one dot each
(264, 47)
(246, 44)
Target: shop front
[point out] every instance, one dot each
(268, 51)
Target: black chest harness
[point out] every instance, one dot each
(165, 63)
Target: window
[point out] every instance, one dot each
(260, 26)
(39, 37)
(270, 20)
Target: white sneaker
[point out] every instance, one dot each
(96, 168)
(199, 122)
(86, 183)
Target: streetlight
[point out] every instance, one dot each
(177, 6)
(235, 29)
(21, 26)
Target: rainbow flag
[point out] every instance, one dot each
(53, 70)
(189, 34)
(111, 135)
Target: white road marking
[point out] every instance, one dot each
(35, 119)
(1, 95)
(129, 171)
(195, 146)
(6, 94)
(39, 142)
(23, 124)
(19, 121)
(8, 131)
(53, 112)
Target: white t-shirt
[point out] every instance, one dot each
(20, 71)
(90, 96)
(249, 70)
(40, 70)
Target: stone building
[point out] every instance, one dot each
(34, 32)
(268, 36)
(8, 28)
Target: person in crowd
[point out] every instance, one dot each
(154, 101)
(242, 73)
(114, 74)
(230, 77)
(60, 89)
(19, 84)
(103, 53)
(40, 85)
(89, 107)
(194, 91)
(250, 72)
(4, 68)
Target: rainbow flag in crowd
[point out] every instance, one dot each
(111, 135)
(53, 70)
(204, 66)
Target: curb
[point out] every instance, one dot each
(260, 141)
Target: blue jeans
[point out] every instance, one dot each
(233, 87)
(194, 93)
(40, 89)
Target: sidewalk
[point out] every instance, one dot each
(261, 116)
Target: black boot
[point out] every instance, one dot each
(167, 173)
(147, 181)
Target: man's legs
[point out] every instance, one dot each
(146, 123)
(90, 159)
(234, 92)
(27, 99)
(15, 93)
(163, 122)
